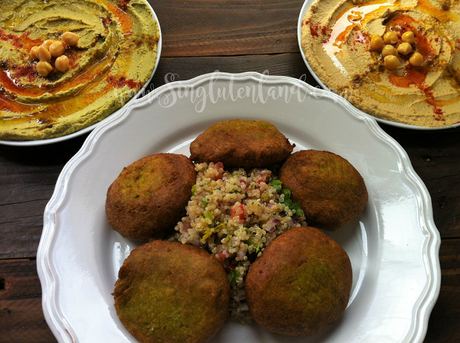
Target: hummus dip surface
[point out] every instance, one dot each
(336, 40)
(114, 57)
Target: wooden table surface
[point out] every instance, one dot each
(202, 37)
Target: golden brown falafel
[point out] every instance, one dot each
(149, 196)
(241, 143)
(300, 284)
(331, 192)
(168, 292)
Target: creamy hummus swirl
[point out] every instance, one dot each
(114, 58)
(336, 39)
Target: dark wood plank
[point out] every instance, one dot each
(185, 68)
(19, 280)
(22, 321)
(224, 27)
(27, 179)
(444, 325)
(21, 313)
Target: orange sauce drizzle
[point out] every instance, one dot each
(347, 21)
(125, 20)
(411, 76)
(20, 42)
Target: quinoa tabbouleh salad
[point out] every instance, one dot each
(234, 216)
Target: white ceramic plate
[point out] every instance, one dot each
(141, 92)
(393, 246)
(303, 11)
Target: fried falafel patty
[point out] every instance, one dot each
(241, 143)
(301, 283)
(149, 196)
(170, 292)
(331, 192)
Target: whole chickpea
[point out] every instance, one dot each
(34, 53)
(389, 50)
(408, 37)
(44, 54)
(44, 68)
(390, 37)
(62, 63)
(416, 59)
(70, 38)
(391, 62)
(404, 48)
(48, 43)
(377, 43)
(57, 49)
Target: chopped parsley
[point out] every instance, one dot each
(255, 246)
(287, 193)
(294, 207)
(276, 184)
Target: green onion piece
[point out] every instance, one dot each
(299, 213)
(251, 243)
(234, 276)
(276, 184)
(206, 235)
(205, 203)
(193, 189)
(208, 215)
(258, 245)
(219, 227)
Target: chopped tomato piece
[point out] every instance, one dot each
(222, 256)
(219, 167)
(237, 212)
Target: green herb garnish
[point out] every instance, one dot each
(206, 235)
(234, 276)
(208, 215)
(287, 193)
(276, 184)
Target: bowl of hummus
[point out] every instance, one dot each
(67, 66)
(397, 60)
